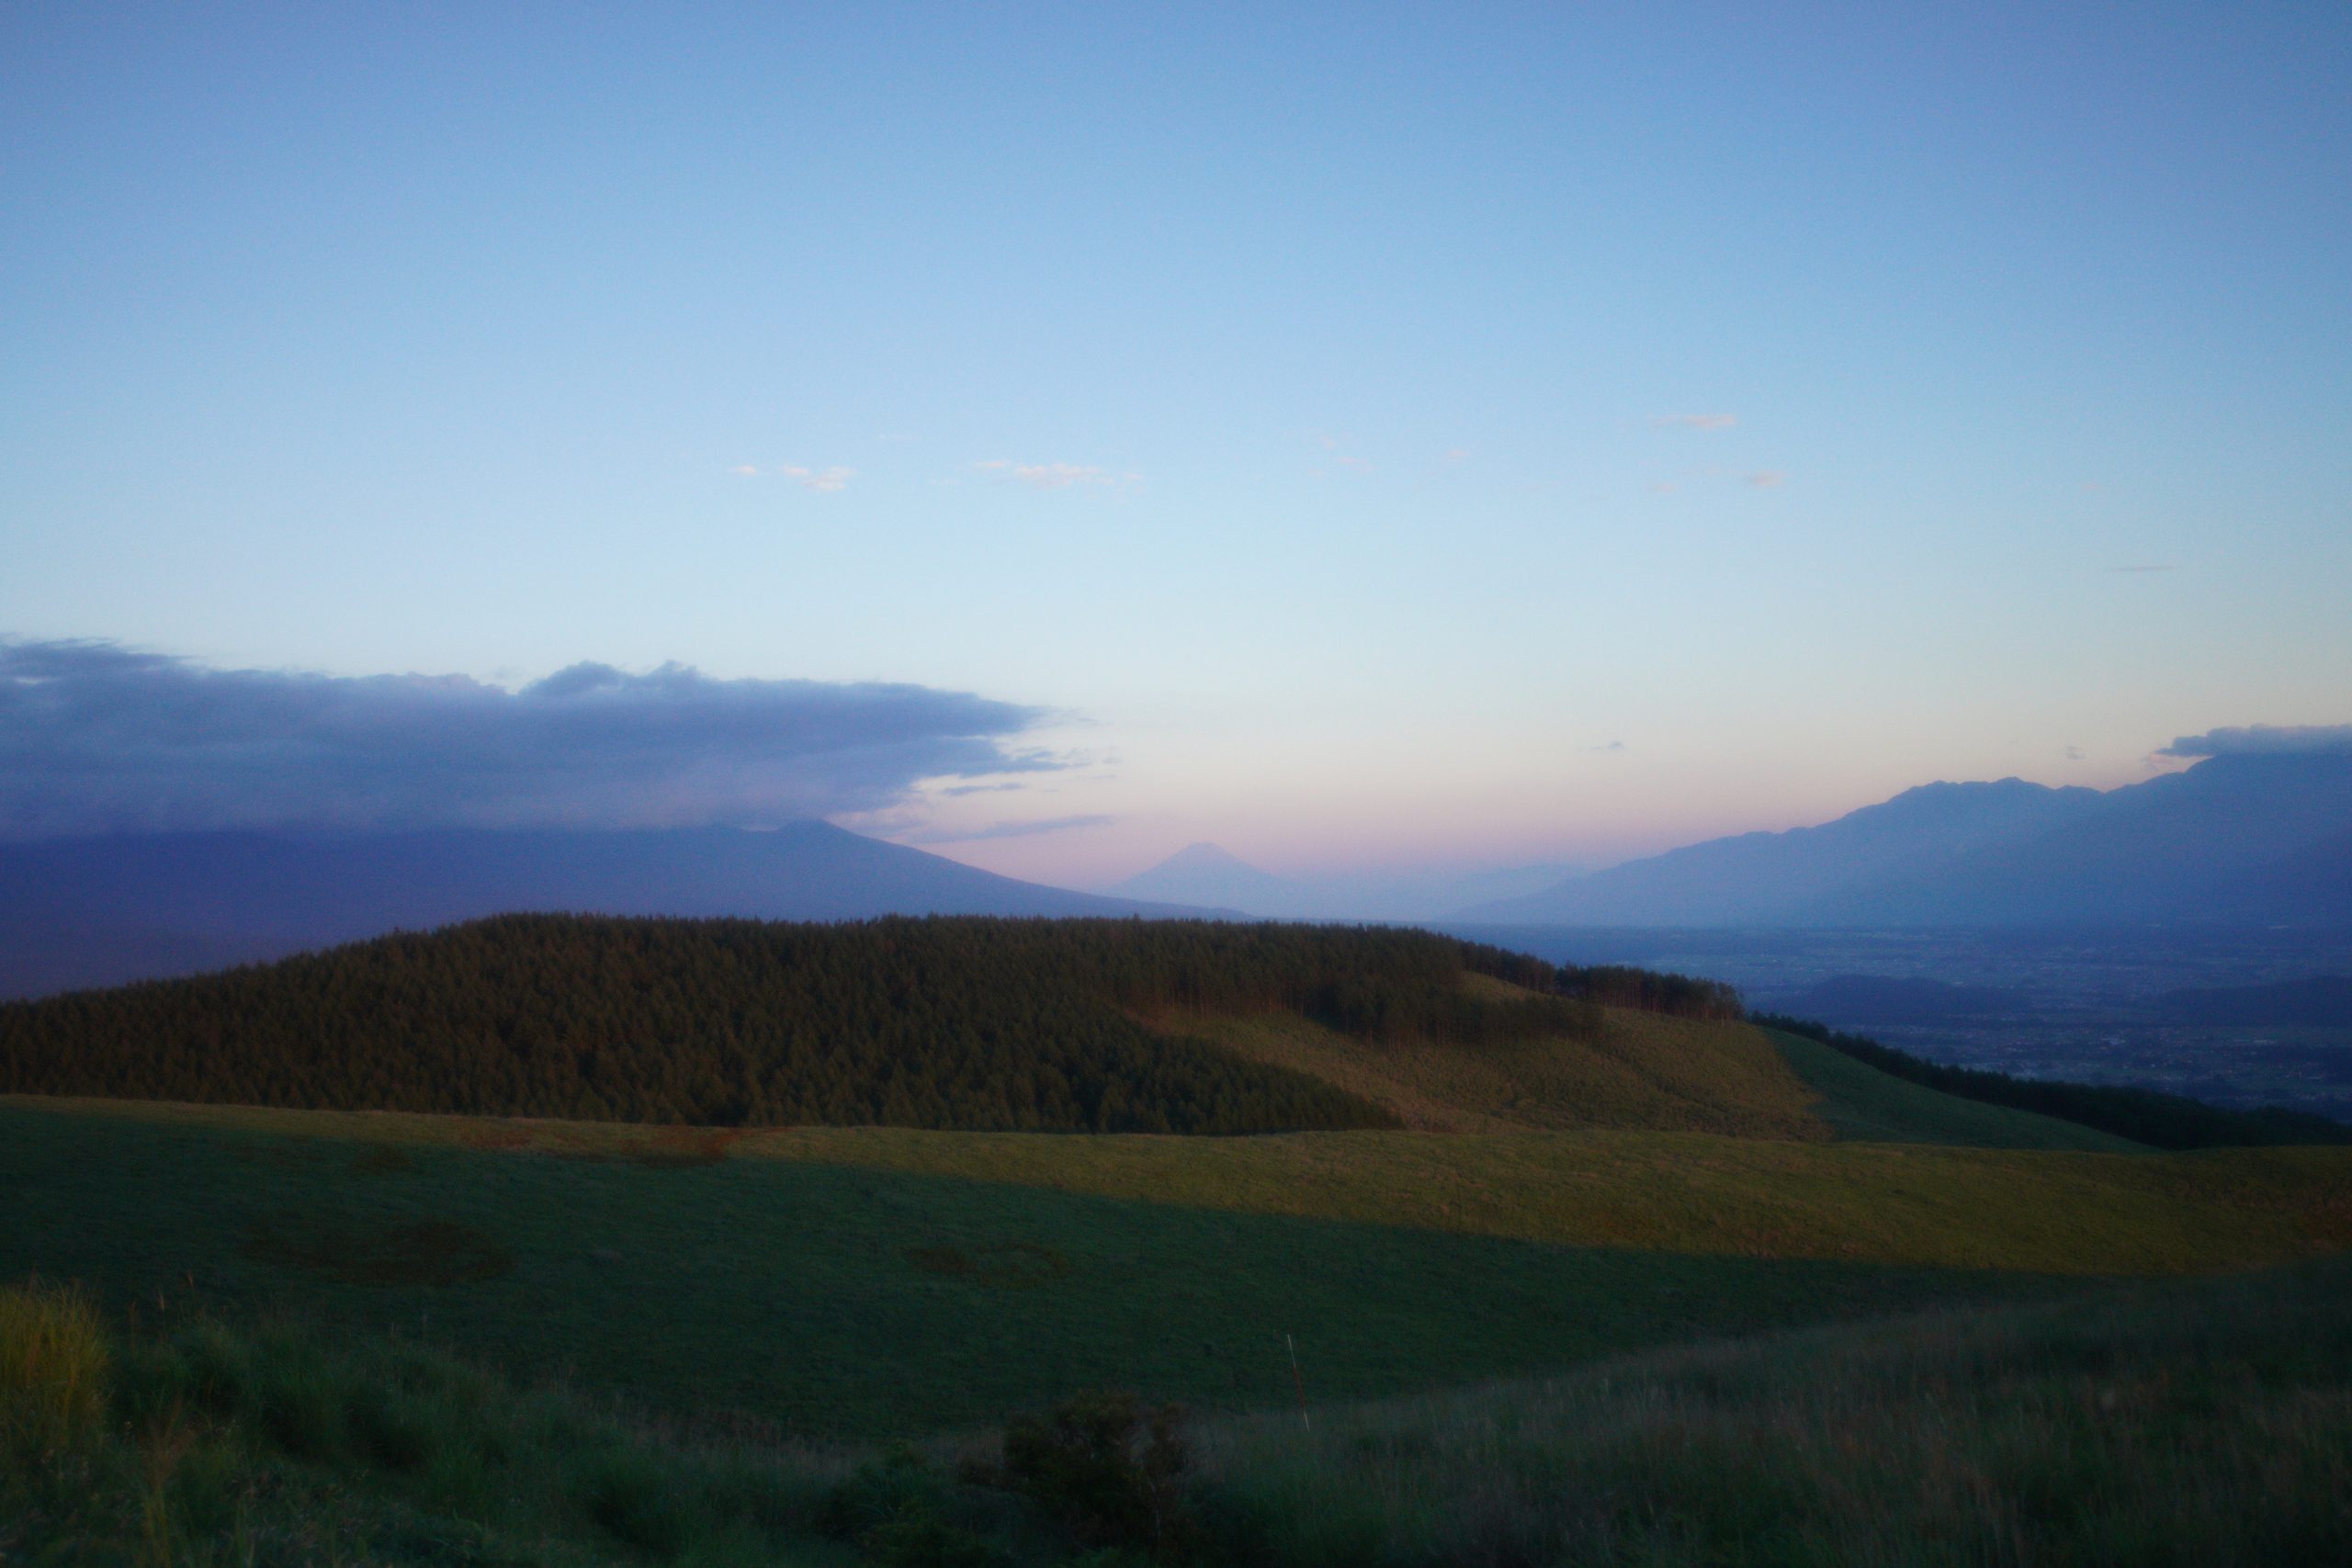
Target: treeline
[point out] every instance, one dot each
(1616, 986)
(2144, 1115)
(939, 1022)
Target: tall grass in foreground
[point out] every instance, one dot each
(2203, 1425)
(54, 1360)
(2206, 1424)
(208, 1444)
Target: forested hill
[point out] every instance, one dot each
(938, 1022)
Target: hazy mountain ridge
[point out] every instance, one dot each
(81, 912)
(2236, 838)
(1206, 873)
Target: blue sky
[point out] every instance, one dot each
(1359, 433)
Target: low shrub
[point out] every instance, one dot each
(1111, 1469)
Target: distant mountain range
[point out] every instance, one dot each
(81, 912)
(2244, 839)
(1206, 873)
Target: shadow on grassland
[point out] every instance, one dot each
(829, 1297)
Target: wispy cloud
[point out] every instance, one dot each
(1052, 475)
(97, 738)
(824, 480)
(1456, 454)
(1768, 478)
(1696, 421)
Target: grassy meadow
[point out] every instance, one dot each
(2198, 1425)
(859, 1283)
(871, 1285)
(2206, 1425)
(1570, 1283)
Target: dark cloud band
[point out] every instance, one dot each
(2266, 740)
(97, 738)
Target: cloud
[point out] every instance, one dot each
(1004, 830)
(1456, 454)
(1768, 478)
(1696, 421)
(1054, 475)
(1612, 746)
(97, 738)
(2266, 740)
(2141, 569)
(826, 480)
(2075, 753)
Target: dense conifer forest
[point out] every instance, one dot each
(2144, 1115)
(939, 1022)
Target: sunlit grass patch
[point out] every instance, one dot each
(1633, 1070)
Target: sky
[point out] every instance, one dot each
(1352, 435)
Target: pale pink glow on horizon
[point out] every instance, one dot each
(1586, 825)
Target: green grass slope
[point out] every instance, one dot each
(1859, 1101)
(875, 1280)
(844, 1290)
(2205, 1425)
(2150, 1117)
(1635, 1069)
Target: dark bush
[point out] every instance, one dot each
(896, 1509)
(1110, 1468)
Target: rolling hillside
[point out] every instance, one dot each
(1501, 1173)
(971, 1025)
(866, 1281)
(1559, 1178)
